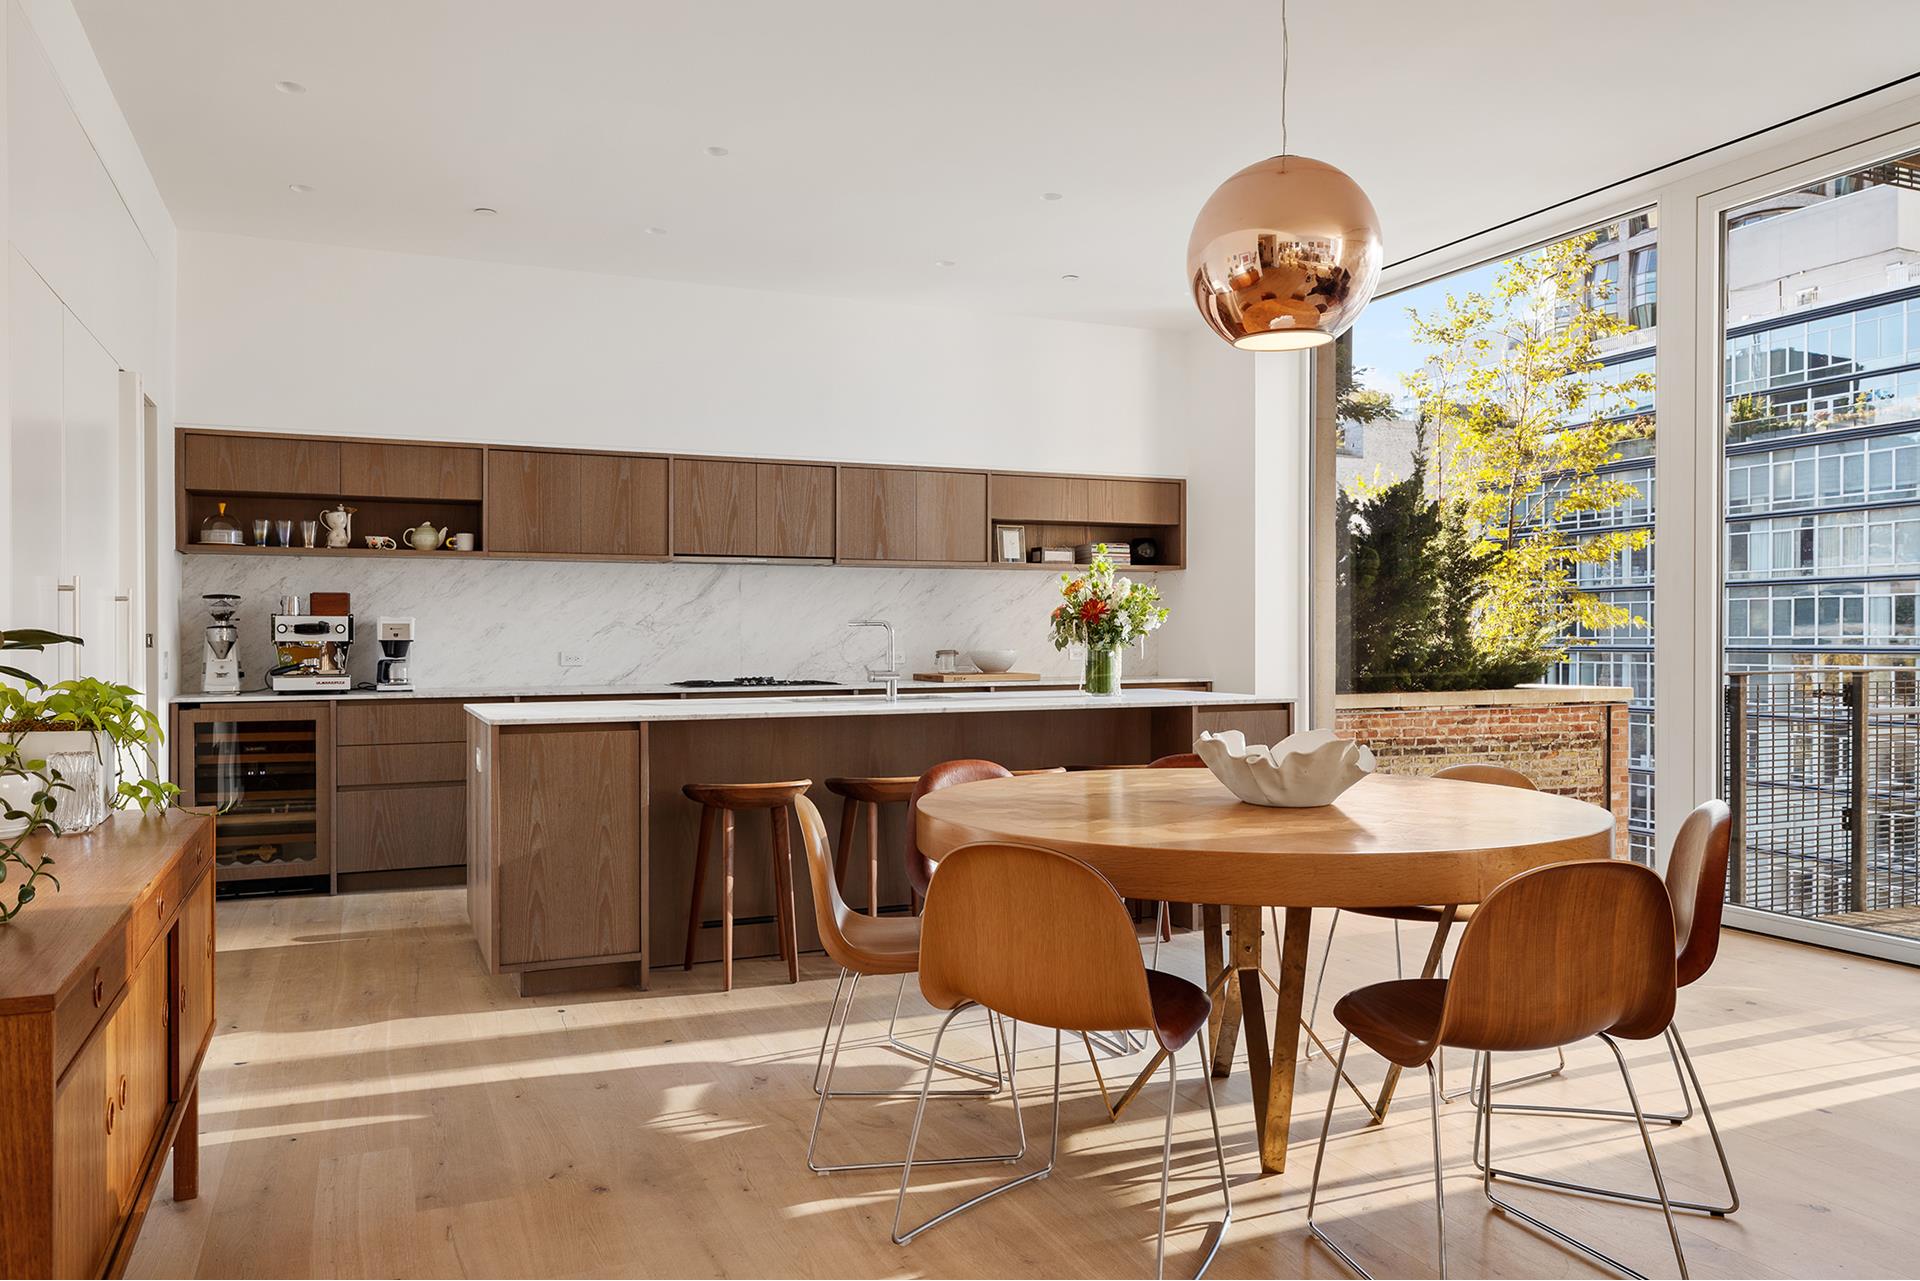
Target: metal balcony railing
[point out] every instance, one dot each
(1821, 778)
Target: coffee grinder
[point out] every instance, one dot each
(221, 654)
(396, 638)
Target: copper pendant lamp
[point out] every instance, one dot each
(1286, 253)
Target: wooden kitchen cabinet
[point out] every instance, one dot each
(571, 504)
(138, 1083)
(391, 829)
(400, 803)
(232, 464)
(1041, 498)
(434, 473)
(193, 1002)
(723, 507)
(85, 1207)
(912, 515)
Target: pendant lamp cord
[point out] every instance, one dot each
(1286, 78)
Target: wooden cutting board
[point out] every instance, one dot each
(975, 678)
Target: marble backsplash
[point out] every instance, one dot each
(501, 622)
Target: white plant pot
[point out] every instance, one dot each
(95, 777)
(17, 791)
(1299, 772)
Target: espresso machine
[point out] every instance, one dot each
(221, 653)
(390, 673)
(310, 653)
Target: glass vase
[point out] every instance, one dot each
(1103, 670)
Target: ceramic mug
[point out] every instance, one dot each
(461, 542)
(381, 541)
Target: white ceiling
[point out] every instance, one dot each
(870, 138)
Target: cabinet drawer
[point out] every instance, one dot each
(1135, 502)
(445, 473)
(400, 722)
(387, 829)
(262, 465)
(400, 763)
(80, 1008)
(153, 912)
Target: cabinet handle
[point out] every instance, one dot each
(99, 988)
(160, 906)
(110, 1110)
(123, 1090)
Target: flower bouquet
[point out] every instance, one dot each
(1104, 613)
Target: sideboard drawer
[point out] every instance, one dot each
(82, 1007)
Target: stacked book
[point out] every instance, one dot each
(1117, 553)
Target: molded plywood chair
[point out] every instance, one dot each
(866, 945)
(1442, 918)
(1696, 883)
(1042, 938)
(1553, 956)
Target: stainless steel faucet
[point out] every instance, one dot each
(890, 675)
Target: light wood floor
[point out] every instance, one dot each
(375, 1106)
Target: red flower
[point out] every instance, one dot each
(1091, 611)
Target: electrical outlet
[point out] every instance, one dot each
(572, 658)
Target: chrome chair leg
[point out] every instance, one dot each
(826, 1091)
(1555, 1109)
(1683, 1062)
(1320, 1155)
(1218, 1233)
(913, 1141)
(996, 1037)
(1320, 980)
(919, 1055)
(1473, 1077)
(1484, 1128)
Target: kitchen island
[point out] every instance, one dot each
(580, 845)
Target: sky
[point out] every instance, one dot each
(1383, 349)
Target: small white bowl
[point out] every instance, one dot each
(993, 660)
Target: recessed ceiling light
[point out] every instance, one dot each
(656, 231)
(1070, 276)
(943, 262)
(1050, 195)
(716, 151)
(484, 211)
(298, 188)
(289, 86)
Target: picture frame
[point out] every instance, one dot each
(1010, 544)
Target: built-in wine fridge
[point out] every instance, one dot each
(266, 770)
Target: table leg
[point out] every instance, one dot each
(1271, 1064)
(1247, 934)
(186, 1150)
(1226, 1017)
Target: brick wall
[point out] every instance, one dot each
(1570, 740)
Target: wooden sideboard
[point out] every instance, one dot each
(106, 1010)
(577, 504)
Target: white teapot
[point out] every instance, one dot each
(425, 537)
(339, 525)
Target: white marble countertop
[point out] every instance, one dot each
(478, 694)
(701, 709)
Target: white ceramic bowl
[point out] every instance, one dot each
(993, 660)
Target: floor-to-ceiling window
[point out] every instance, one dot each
(1495, 439)
(1821, 559)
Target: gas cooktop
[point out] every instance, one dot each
(738, 682)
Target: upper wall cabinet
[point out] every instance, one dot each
(568, 504)
(723, 507)
(262, 464)
(446, 473)
(913, 516)
(599, 504)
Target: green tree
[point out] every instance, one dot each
(1507, 371)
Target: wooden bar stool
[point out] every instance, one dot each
(718, 802)
(869, 794)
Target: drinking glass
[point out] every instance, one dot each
(309, 530)
(260, 533)
(284, 529)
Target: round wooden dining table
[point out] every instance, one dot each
(1179, 835)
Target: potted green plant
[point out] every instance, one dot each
(29, 790)
(71, 720)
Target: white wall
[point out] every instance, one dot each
(296, 337)
(90, 275)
